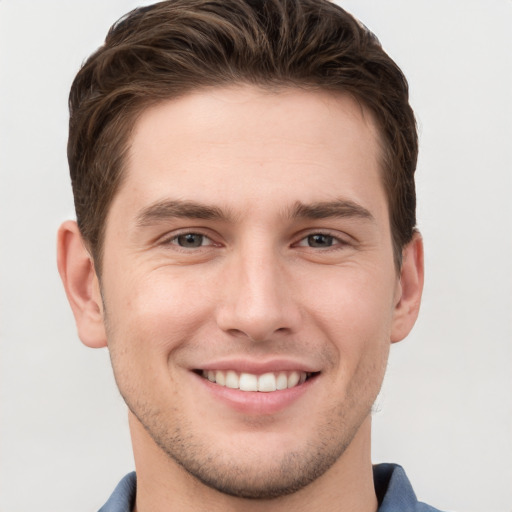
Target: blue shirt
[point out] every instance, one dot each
(393, 489)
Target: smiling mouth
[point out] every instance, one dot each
(265, 383)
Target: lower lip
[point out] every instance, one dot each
(257, 402)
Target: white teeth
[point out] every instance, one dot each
(232, 380)
(248, 382)
(220, 378)
(265, 383)
(282, 381)
(293, 379)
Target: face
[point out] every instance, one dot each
(248, 283)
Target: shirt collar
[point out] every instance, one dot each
(393, 489)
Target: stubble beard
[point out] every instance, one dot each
(269, 478)
(253, 480)
(264, 477)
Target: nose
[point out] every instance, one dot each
(258, 300)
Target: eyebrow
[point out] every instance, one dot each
(340, 208)
(175, 208)
(178, 209)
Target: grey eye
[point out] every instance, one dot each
(190, 240)
(320, 240)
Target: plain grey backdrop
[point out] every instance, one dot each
(445, 412)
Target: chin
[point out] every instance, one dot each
(261, 479)
(255, 466)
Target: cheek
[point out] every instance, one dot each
(155, 313)
(149, 318)
(356, 310)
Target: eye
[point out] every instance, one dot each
(326, 240)
(320, 241)
(191, 240)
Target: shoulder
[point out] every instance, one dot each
(394, 490)
(123, 497)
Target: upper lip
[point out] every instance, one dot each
(258, 367)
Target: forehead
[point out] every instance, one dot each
(242, 112)
(253, 154)
(243, 135)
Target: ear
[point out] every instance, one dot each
(76, 269)
(409, 289)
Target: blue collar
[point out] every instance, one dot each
(393, 489)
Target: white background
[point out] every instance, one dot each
(445, 412)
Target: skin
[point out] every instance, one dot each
(262, 284)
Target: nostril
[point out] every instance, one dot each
(257, 337)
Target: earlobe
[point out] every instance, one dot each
(81, 283)
(411, 287)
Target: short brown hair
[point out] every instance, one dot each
(171, 48)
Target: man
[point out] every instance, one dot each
(245, 245)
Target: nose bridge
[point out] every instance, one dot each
(257, 300)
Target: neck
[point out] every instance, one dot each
(163, 485)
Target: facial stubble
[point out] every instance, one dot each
(257, 480)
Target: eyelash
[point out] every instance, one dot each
(174, 240)
(336, 243)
